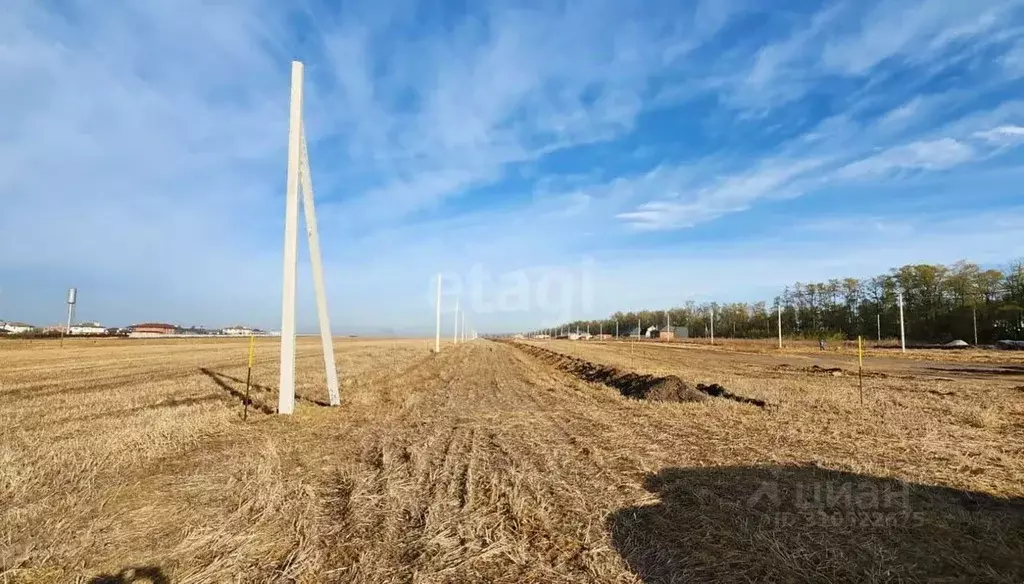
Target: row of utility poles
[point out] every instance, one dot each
(460, 333)
(554, 332)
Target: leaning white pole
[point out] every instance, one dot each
(437, 334)
(286, 391)
(306, 181)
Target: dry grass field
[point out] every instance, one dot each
(129, 461)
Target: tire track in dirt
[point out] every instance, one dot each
(485, 482)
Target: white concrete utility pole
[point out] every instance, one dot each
(712, 325)
(437, 333)
(463, 326)
(780, 325)
(975, 311)
(455, 336)
(316, 259)
(299, 178)
(286, 391)
(903, 330)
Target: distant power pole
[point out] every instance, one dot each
(975, 311)
(780, 325)
(437, 333)
(903, 330)
(879, 327)
(463, 326)
(616, 328)
(712, 324)
(455, 336)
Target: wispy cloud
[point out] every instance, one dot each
(939, 154)
(142, 154)
(773, 178)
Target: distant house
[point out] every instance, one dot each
(649, 332)
(15, 328)
(667, 335)
(238, 331)
(152, 329)
(88, 328)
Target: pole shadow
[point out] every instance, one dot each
(808, 524)
(222, 381)
(226, 382)
(139, 575)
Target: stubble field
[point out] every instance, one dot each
(125, 460)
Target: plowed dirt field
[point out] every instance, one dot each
(129, 461)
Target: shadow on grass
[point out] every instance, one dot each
(142, 575)
(222, 381)
(236, 387)
(981, 370)
(807, 524)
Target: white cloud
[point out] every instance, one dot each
(142, 154)
(772, 179)
(941, 154)
(902, 114)
(1003, 135)
(521, 84)
(909, 30)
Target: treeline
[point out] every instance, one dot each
(941, 303)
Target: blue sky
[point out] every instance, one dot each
(554, 159)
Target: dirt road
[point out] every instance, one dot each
(485, 463)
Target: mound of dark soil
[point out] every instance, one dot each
(673, 389)
(649, 387)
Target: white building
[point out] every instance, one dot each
(16, 327)
(87, 328)
(238, 331)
